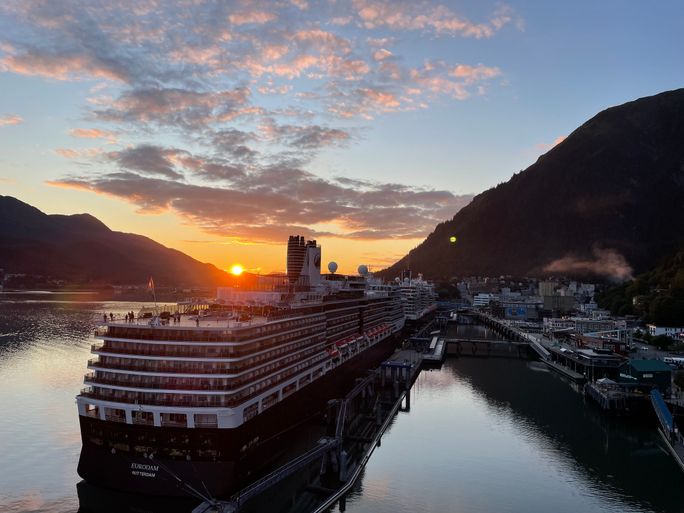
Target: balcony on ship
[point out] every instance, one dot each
(103, 377)
(293, 339)
(188, 399)
(234, 363)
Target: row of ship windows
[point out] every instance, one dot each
(266, 356)
(313, 341)
(342, 319)
(342, 327)
(207, 351)
(166, 399)
(164, 444)
(200, 367)
(160, 382)
(200, 420)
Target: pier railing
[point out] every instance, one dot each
(290, 468)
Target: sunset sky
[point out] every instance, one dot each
(219, 128)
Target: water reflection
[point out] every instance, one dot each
(93, 499)
(483, 435)
(502, 435)
(613, 455)
(44, 349)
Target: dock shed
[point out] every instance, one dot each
(650, 372)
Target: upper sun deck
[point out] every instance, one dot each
(194, 322)
(208, 328)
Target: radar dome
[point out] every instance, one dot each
(332, 267)
(363, 270)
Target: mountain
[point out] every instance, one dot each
(81, 249)
(608, 200)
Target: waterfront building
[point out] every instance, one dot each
(650, 372)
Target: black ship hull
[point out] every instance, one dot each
(109, 457)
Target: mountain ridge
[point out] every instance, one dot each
(81, 249)
(610, 196)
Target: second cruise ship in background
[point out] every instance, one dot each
(418, 296)
(208, 399)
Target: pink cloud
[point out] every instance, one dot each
(474, 73)
(70, 153)
(382, 54)
(253, 17)
(405, 15)
(93, 133)
(174, 106)
(11, 119)
(58, 66)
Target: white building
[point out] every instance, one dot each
(483, 299)
(672, 332)
(547, 288)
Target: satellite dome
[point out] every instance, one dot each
(332, 267)
(397, 279)
(363, 270)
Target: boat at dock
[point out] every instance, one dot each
(200, 403)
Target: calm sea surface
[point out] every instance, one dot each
(487, 435)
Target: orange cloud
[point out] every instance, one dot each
(11, 119)
(93, 133)
(474, 73)
(405, 15)
(382, 54)
(70, 153)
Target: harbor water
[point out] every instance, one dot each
(482, 435)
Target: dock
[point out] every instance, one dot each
(668, 428)
(566, 371)
(436, 351)
(360, 420)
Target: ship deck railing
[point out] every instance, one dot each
(129, 399)
(162, 351)
(287, 370)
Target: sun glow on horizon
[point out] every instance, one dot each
(237, 270)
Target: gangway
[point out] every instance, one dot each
(668, 428)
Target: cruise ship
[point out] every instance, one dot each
(418, 296)
(205, 400)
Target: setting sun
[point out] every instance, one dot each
(237, 270)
